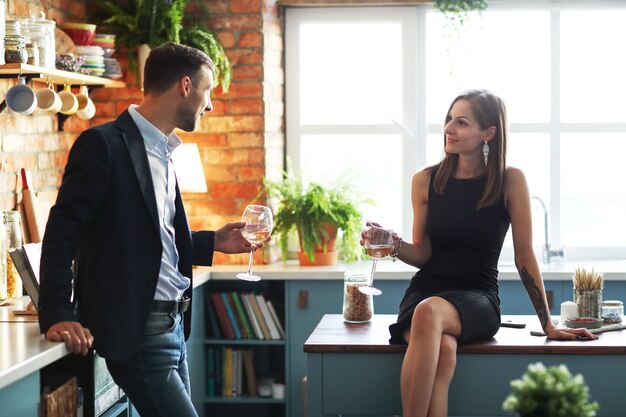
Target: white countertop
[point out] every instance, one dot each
(612, 270)
(23, 350)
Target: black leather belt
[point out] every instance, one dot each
(165, 306)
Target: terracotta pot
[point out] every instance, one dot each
(322, 258)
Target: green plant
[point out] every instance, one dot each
(154, 22)
(306, 208)
(550, 392)
(459, 9)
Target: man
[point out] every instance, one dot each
(119, 219)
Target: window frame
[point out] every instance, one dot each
(415, 129)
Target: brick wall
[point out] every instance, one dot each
(240, 142)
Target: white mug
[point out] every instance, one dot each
(48, 100)
(21, 98)
(69, 102)
(86, 108)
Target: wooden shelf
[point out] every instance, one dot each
(42, 74)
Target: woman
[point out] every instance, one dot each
(462, 208)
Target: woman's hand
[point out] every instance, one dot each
(569, 334)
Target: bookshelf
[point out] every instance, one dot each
(228, 389)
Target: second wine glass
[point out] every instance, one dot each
(378, 244)
(259, 224)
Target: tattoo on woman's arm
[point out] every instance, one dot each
(536, 297)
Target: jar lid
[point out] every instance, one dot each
(612, 303)
(356, 275)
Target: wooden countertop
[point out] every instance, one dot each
(333, 335)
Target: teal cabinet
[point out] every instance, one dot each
(305, 303)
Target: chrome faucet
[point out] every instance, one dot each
(547, 252)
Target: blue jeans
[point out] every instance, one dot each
(155, 377)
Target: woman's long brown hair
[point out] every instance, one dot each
(489, 110)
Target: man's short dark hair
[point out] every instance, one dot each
(169, 62)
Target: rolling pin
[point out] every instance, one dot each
(35, 227)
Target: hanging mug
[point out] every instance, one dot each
(69, 102)
(86, 108)
(48, 100)
(21, 98)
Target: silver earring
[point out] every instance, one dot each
(486, 151)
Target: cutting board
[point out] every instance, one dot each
(63, 43)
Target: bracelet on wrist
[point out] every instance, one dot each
(395, 254)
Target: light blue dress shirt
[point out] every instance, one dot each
(159, 147)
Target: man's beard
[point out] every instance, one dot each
(186, 120)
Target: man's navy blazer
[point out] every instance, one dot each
(105, 221)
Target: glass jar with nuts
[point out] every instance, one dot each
(357, 307)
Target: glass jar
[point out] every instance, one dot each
(3, 264)
(15, 50)
(36, 32)
(357, 307)
(14, 240)
(42, 30)
(589, 302)
(612, 311)
(2, 29)
(33, 53)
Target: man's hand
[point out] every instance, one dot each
(78, 339)
(228, 239)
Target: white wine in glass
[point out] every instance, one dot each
(259, 224)
(378, 244)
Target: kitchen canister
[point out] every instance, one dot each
(13, 233)
(357, 307)
(589, 302)
(2, 29)
(3, 264)
(612, 311)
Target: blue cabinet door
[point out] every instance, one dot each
(322, 297)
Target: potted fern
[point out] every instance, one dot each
(316, 212)
(145, 24)
(550, 392)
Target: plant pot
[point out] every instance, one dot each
(143, 51)
(321, 258)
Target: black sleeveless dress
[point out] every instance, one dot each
(466, 245)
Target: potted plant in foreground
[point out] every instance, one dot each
(550, 392)
(316, 212)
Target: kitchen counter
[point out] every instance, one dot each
(558, 270)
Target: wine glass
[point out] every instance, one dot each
(259, 224)
(378, 244)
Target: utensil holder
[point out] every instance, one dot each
(589, 302)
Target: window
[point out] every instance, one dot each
(368, 88)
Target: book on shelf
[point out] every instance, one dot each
(210, 372)
(238, 373)
(231, 315)
(213, 325)
(253, 319)
(222, 315)
(227, 371)
(218, 355)
(240, 315)
(26, 259)
(268, 318)
(259, 316)
(279, 326)
(248, 364)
